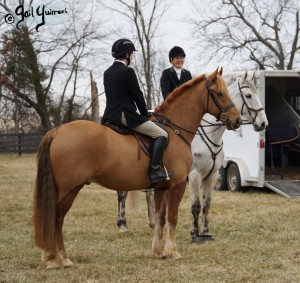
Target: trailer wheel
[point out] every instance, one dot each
(221, 182)
(233, 178)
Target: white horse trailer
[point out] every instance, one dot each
(249, 155)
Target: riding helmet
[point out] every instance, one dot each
(176, 51)
(122, 46)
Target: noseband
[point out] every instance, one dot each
(222, 116)
(249, 109)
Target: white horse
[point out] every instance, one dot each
(208, 155)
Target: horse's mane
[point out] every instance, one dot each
(178, 91)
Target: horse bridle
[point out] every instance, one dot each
(221, 117)
(249, 109)
(208, 140)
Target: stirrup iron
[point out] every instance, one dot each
(168, 177)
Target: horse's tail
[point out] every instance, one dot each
(45, 197)
(133, 201)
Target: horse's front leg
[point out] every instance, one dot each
(121, 211)
(173, 201)
(151, 210)
(208, 186)
(194, 188)
(160, 200)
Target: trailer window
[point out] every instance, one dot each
(294, 100)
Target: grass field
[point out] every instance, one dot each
(257, 237)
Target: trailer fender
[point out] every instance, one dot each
(243, 169)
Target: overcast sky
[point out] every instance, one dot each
(178, 32)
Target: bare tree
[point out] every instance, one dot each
(145, 17)
(58, 59)
(95, 101)
(262, 32)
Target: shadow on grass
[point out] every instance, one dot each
(263, 190)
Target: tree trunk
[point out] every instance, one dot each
(95, 102)
(37, 78)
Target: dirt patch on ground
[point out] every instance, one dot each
(290, 173)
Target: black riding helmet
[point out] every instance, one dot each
(176, 51)
(122, 46)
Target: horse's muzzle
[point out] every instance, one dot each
(259, 128)
(235, 124)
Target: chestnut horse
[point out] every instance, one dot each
(207, 149)
(80, 152)
(208, 154)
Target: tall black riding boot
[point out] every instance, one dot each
(155, 172)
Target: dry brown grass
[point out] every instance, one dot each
(256, 237)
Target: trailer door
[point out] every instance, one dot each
(245, 147)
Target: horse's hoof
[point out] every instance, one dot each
(205, 231)
(199, 239)
(157, 247)
(152, 225)
(194, 234)
(123, 229)
(157, 251)
(52, 265)
(175, 255)
(67, 263)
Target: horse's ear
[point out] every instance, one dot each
(221, 71)
(253, 76)
(244, 77)
(214, 75)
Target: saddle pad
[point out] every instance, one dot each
(119, 129)
(144, 141)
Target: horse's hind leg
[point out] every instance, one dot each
(194, 188)
(51, 258)
(121, 211)
(174, 198)
(160, 220)
(63, 207)
(151, 209)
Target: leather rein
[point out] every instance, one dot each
(176, 128)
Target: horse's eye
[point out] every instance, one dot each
(220, 94)
(248, 95)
